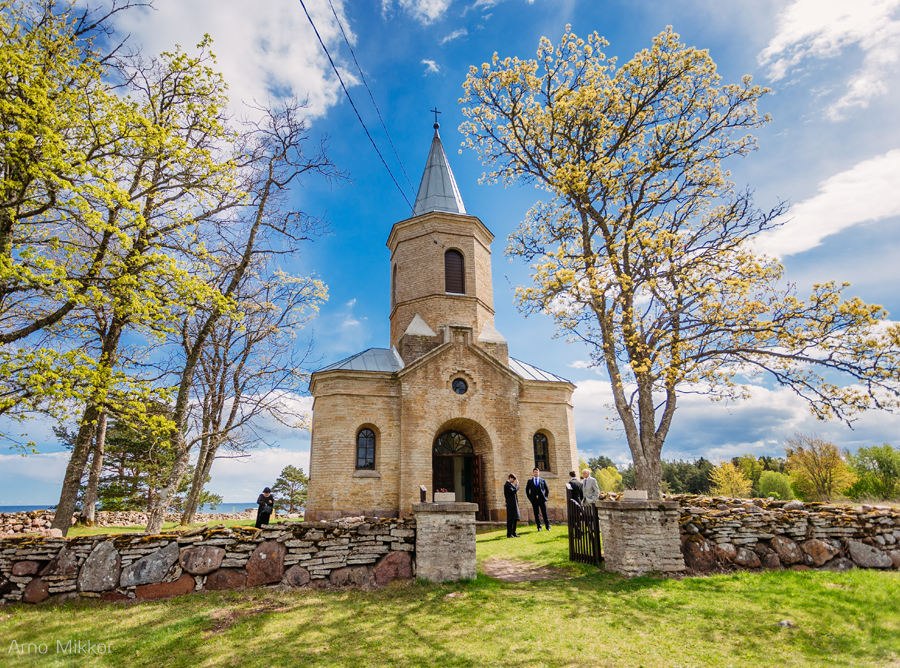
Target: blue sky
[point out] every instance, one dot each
(832, 150)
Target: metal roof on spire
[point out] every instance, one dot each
(438, 190)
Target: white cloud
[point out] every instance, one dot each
(579, 364)
(352, 302)
(431, 67)
(824, 28)
(720, 430)
(350, 322)
(265, 51)
(462, 32)
(424, 11)
(869, 191)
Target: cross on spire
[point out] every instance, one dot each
(435, 112)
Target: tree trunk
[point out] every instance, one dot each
(87, 432)
(648, 475)
(90, 494)
(161, 502)
(204, 464)
(68, 496)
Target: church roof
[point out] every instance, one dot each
(529, 372)
(438, 190)
(373, 359)
(389, 360)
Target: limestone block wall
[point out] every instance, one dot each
(358, 552)
(640, 536)
(726, 533)
(546, 408)
(344, 404)
(445, 541)
(487, 413)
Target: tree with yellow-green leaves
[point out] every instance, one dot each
(645, 251)
(730, 480)
(817, 468)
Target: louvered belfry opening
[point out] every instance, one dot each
(454, 272)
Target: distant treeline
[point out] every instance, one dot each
(691, 477)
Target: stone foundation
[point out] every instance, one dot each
(640, 536)
(445, 541)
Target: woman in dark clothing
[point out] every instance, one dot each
(510, 489)
(266, 505)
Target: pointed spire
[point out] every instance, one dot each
(438, 190)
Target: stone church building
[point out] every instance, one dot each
(443, 406)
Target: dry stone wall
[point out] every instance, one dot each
(720, 533)
(353, 552)
(38, 521)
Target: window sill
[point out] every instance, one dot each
(549, 475)
(366, 474)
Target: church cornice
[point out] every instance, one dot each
(441, 295)
(425, 219)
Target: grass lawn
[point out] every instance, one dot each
(584, 618)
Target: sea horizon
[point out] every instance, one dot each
(228, 507)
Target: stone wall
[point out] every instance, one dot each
(445, 541)
(357, 552)
(719, 533)
(38, 521)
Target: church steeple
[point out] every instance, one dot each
(438, 190)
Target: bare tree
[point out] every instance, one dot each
(274, 159)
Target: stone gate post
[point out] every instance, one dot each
(640, 536)
(445, 541)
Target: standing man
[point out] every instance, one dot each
(590, 487)
(575, 486)
(537, 492)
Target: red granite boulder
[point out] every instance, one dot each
(21, 568)
(183, 585)
(36, 591)
(202, 559)
(296, 576)
(392, 566)
(227, 578)
(266, 564)
(698, 554)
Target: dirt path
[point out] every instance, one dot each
(510, 570)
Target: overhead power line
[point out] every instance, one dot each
(371, 97)
(350, 99)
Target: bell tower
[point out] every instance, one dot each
(441, 268)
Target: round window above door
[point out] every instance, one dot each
(460, 386)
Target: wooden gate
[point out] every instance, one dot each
(584, 532)
(481, 513)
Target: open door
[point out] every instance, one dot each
(481, 515)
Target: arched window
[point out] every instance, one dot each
(453, 443)
(541, 452)
(454, 272)
(365, 450)
(394, 287)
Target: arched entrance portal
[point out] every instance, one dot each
(456, 468)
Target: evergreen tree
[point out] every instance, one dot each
(290, 489)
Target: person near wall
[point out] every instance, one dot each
(266, 503)
(590, 487)
(510, 492)
(576, 487)
(537, 492)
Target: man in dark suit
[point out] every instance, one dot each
(575, 486)
(537, 492)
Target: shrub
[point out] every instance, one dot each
(777, 485)
(878, 469)
(729, 480)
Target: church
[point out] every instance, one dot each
(444, 406)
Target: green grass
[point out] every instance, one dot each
(587, 617)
